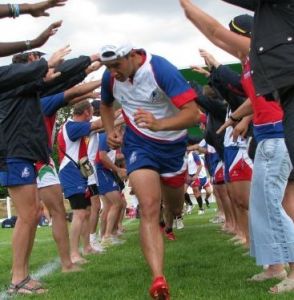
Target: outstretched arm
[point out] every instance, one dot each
(80, 90)
(229, 41)
(38, 9)
(245, 110)
(15, 47)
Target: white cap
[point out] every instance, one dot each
(112, 52)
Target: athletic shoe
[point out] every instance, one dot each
(175, 224)
(179, 223)
(159, 289)
(189, 210)
(200, 211)
(96, 246)
(170, 236)
(106, 242)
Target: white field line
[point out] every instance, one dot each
(46, 269)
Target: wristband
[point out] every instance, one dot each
(234, 119)
(10, 9)
(28, 44)
(16, 10)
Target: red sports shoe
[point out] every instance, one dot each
(170, 236)
(159, 289)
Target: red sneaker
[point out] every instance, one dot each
(170, 236)
(159, 289)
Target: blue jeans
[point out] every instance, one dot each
(271, 229)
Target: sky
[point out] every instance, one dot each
(159, 26)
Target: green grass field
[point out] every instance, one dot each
(201, 264)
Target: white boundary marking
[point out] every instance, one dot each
(46, 269)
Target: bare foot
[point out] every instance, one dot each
(72, 268)
(78, 260)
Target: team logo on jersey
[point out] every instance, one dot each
(133, 157)
(157, 95)
(25, 172)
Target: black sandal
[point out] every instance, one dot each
(23, 288)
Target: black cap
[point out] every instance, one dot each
(242, 24)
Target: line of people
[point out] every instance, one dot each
(158, 105)
(268, 193)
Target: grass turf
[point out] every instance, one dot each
(201, 264)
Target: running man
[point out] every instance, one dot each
(158, 105)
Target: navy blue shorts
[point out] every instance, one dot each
(106, 181)
(19, 172)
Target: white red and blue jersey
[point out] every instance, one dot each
(157, 87)
(49, 108)
(212, 158)
(194, 161)
(267, 115)
(228, 138)
(103, 146)
(92, 150)
(72, 140)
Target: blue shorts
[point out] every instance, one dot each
(19, 172)
(72, 181)
(168, 159)
(238, 165)
(106, 181)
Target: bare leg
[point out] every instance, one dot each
(103, 218)
(85, 234)
(28, 209)
(241, 190)
(79, 216)
(94, 215)
(52, 198)
(113, 214)
(221, 189)
(149, 201)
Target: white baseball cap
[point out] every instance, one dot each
(112, 52)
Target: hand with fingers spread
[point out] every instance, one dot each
(39, 9)
(45, 35)
(58, 57)
(146, 119)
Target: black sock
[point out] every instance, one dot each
(200, 202)
(188, 199)
(168, 230)
(207, 202)
(162, 224)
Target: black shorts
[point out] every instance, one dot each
(79, 201)
(93, 189)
